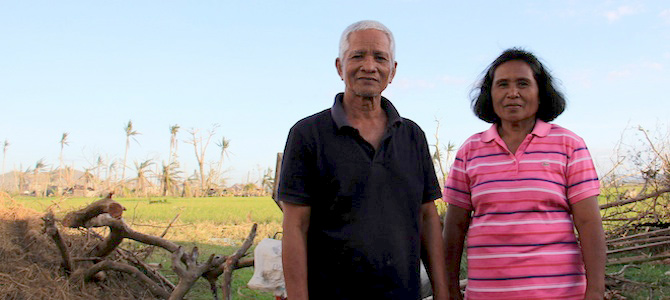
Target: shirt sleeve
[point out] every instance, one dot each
(297, 169)
(457, 185)
(581, 177)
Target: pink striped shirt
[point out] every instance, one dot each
(521, 242)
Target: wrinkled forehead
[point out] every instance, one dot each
(365, 38)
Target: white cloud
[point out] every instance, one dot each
(451, 80)
(580, 78)
(665, 16)
(653, 66)
(618, 74)
(413, 84)
(637, 69)
(615, 15)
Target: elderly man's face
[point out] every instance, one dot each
(367, 66)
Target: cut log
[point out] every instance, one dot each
(105, 205)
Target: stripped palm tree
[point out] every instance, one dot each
(143, 170)
(111, 174)
(169, 177)
(99, 165)
(4, 157)
(173, 142)
(63, 142)
(129, 133)
(268, 181)
(39, 167)
(224, 144)
(442, 154)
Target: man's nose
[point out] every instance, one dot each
(369, 64)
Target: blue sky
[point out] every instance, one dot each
(256, 67)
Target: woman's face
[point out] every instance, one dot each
(514, 92)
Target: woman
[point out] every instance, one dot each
(519, 189)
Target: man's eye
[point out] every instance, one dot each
(381, 58)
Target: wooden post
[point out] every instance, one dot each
(277, 177)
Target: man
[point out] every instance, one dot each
(357, 188)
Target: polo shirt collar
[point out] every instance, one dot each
(340, 117)
(541, 129)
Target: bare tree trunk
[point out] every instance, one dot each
(52, 231)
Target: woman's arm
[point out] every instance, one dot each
(456, 224)
(586, 215)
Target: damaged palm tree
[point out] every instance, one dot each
(107, 212)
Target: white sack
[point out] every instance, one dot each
(268, 272)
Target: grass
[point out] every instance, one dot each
(653, 275)
(229, 210)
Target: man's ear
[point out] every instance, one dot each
(395, 66)
(338, 66)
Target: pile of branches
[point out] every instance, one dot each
(636, 215)
(105, 255)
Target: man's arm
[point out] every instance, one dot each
(294, 249)
(456, 224)
(587, 220)
(431, 241)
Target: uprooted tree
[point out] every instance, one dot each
(95, 261)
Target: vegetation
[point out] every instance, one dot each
(214, 224)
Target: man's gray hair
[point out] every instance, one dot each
(363, 25)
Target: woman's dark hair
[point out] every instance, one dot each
(552, 103)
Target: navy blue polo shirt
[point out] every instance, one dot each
(363, 239)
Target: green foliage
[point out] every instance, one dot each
(653, 275)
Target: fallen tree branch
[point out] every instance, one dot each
(107, 213)
(105, 205)
(151, 272)
(635, 199)
(638, 247)
(149, 250)
(231, 262)
(88, 275)
(190, 270)
(620, 272)
(51, 230)
(636, 259)
(644, 234)
(641, 241)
